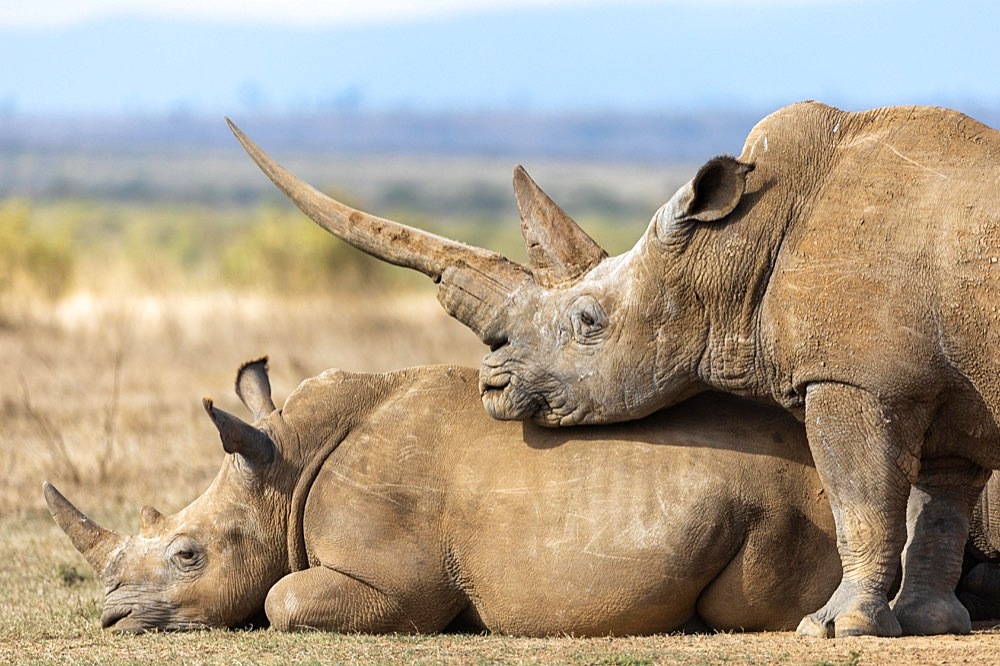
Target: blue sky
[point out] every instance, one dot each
(196, 56)
(41, 13)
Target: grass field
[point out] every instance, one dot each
(102, 397)
(117, 316)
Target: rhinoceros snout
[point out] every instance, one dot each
(111, 618)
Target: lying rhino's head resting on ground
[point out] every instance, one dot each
(843, 267)
(211, 564)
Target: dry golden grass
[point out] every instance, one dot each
(102, 395)
(105, 393)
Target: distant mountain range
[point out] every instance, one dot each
(649, 58)
(649, 138)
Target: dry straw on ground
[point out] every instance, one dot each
(103, 397)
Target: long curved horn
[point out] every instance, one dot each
(94, 542)
(475, 283)
(560, 251)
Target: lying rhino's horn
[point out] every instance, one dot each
(254, 388)
(560, 251)
(475, 282)
(240, 437)
(149, 518)
(94, 542)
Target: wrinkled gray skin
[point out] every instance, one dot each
(393, 503)
(843, 267)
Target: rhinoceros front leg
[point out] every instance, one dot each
(856, 447)
(328, 600)
(937, 520)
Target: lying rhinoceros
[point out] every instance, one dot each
(843, 267)
(394, 503)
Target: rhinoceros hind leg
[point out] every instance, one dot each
(937, 519)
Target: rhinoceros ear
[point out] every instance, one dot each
(712, 194)
(254, 388)
(240, 437)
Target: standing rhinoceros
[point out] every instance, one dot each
(845, 267)
(392, 502)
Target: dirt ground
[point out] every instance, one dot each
(103, 397)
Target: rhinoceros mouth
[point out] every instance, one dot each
(111, 618)
(493, 383)
(495, 391)
(123, 621)
(503, 400)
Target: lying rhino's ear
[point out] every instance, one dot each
(712, 194)
(254, 388)
(240, 437)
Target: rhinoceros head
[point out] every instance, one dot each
(211, 564)
(576, 336)
(592, 338)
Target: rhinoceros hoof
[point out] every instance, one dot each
(878, 621)
(929, 617)
(810, 626)
(979, 591)
(859, 624)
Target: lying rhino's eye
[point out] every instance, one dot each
(186, 559)
(185, 553)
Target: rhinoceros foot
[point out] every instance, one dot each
(851, 615)
(930, 617)
(979, 591)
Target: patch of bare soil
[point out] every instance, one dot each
(267, 647)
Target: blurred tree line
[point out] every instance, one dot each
(48, 249)
(52, 245)
(34, 262)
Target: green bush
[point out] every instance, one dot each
(46, 247)
(31, 261)
(283, 251)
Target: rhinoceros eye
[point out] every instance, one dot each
(185, 553)
(588, 320)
